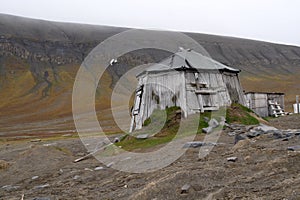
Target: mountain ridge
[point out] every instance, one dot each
(39, 61)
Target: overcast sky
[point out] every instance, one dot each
(269, 20)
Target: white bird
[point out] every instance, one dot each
(113, 61)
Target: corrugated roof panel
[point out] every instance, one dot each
(189, 59)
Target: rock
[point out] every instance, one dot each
(116, 140)
(110, 164)
(231, 134)
(241, 144)
(80, 154)
(185, 188)
(198, 144)
(232, 159)
(142, 136)
(207, 130)
(41, 198)
(36, 140)
(67, 135)
(294, 148)
(76, 177)
(278, 135)
(50, 144)
(253, 134)
(34, 177)
(41, 186)
(98, 168)
(238, 138)
(222, 119)
(265, 128)
(247, 158)
(250, 127)
(4, 164)
(10, 187)
(213, 123)
(206, 119)
(88, 169)
(227, 125)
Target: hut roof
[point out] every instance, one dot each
(189, 59)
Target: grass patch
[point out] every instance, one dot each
(165, 123)
(237, 113)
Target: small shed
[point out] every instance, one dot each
(265, 103)
(187, 79)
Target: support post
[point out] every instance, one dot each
(297, 103)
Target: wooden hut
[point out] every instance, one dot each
(187, 79)
(266, 103)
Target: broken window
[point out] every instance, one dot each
(138, 100)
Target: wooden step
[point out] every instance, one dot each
(206, 91)
(212, 108)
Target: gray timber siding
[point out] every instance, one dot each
(258, 102)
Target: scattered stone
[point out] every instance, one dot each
(294, 148)
(88, 169)
(241, 144)
(142, 136)
(231, 134)
(67, 135)
(207, 130)
(41, 186)
(34, 177)
(227, 125)
(110, 164)
(253, 134)
(266, 128)
(232, 159)
(250, 127)
(222, 119)
(76, 177)
(125, 186)
(238, 138)
(198, 144)
(185, 188)
(116, 140)
(10, 187)
(206, 119)
(247, 158)
(36, 140)
(50, 144)
(4, 164)
(213, 123)
(278, 135)
(80, 154)
(98, 168)
(42, 198)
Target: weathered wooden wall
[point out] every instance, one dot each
(258, 102)
(181, 88)
(161, 90)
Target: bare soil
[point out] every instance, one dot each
(264, 169)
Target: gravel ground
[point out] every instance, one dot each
(264, 169)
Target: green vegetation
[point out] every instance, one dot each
(240, 114)
(165, 124)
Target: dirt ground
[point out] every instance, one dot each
(264, 169)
